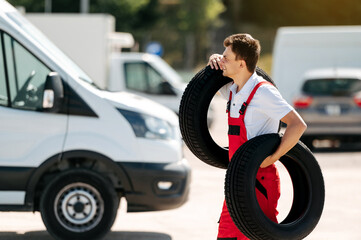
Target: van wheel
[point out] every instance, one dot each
(193, 115)
(308, 190)
(78, 204)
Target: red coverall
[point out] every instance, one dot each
(268, 186)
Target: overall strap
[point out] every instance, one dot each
(229, 102)
(243, 109)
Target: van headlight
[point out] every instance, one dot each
(147, 126)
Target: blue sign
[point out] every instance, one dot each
(154, 48)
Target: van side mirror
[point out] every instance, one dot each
(53, 93)
(166, 88)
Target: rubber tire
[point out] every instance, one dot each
(308, 188)
(106, 191)
(308, 141)
(193, 115)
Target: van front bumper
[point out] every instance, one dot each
(157, 186)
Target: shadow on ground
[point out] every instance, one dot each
(44, 235)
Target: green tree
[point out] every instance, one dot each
(129, 14)
(183, 30)
(30, 5)
(278, 13)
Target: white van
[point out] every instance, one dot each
(301, 49)
(70, 150)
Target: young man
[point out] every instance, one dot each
(255, 107)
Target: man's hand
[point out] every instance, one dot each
(268, 161)
(215, 61)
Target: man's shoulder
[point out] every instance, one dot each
(265, 86)
(225, 90)
(268, 91)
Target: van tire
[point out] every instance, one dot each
(193, 115)
(78, 204)
(308, 190)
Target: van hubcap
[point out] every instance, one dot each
(78, 207)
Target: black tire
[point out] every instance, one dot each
(308, 141)
(193, 115)
(78, 204)
(308, 188)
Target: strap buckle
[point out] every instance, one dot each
(228, 106)
(243, 108)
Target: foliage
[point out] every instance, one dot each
(129, 14)
(30, 5)
(277, 13)
(183, 30)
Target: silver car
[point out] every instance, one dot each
(330, 104)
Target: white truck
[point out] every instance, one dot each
(298, 50)
(71, 150)
(91, 41)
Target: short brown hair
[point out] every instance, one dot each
(245, 47)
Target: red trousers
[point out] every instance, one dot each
(267, 199)
(268, 183)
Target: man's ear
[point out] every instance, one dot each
(242, 63)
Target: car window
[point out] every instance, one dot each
(3, 90)
(26, 75)
(332, 87)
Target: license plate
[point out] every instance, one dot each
(333, 110)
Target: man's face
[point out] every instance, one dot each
(230, 64)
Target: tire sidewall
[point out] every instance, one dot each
(110, 201)
(251, 167)
(241, 194)
(193, 115)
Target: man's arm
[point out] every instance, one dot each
(295, 128)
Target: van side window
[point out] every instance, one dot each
(143, 77)
(155, 81)
(26, 75)
(135, 76)
(3, 90)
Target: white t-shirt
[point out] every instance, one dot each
(265, 110)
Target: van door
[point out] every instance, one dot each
(28, 136)
(144, 80)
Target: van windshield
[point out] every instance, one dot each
(331, 87)
(43, 41)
